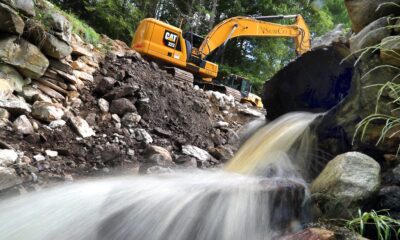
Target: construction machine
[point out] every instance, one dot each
(187, 55)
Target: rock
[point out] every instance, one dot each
(196, 152)
(158, 170)
(389, 198)
(15, 107)
(104, 85)
(187, 161)
(4, 114)
(61, 65)
(335, 35)
(28, 92)
(121, 92)
(80, 51)
(8, 178)
(122, 106)
(250, 112)
(390, 50)
(82, 127)
(39, 157)
(370, 35)
(83, 76)
(158, 155)
(51, 153)
(57, 124)
(111, 153)
(11, 22)
(104, 105)
(311, 234)
(23, 126)
(142, 135)
(49, 91)
(26, 7)
(61, 26)
(13, 77)
(347, 182)
(221, 124)
(6, 89)
(222, 153)
(363, 12)
(116, 118)
(46, 111)
(26, 57)
(7, 157)
(162, 132)
(131, 119)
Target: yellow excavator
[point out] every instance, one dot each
(187, 56)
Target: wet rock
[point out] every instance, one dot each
(158, 155)
(389, 198)
(23, 126)
(46, 111)
(104, 105)
(7, 157)
(370, 35)
(131, 119)
(82, 127)
(347, 182)
(26, 7)
(104, 85)
(186, 161)
(13, 77)
(8, 178)
(158, 170)
(222, 153)
(57, 124)
(122, 106)
(312, 234)
(142, 135)
(11, 22)
(26, 57)
(15, 107)
(363, 12)
(196, 152)
(390, 51)
(4, 114)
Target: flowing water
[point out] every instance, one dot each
(259, 195)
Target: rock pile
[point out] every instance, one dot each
(68, 110)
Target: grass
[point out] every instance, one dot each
(385, 227)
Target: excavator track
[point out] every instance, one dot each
(180, 75)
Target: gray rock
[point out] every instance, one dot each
(57, 124)
(121, 92)
(15, 107)
(82, 127)
(105, 85)
(131, 119)
(8, 178)
(196, 152)
(26, 57)
(39, 157)
(28, 92)
(26, 7)
(23, 126)
(61, 26)
(221, 124)
(158, 170)
(13, 77)
(116, 118)
(363, 12)
(4, 114)
(250, 112)
(6, 89)
(222, 153)
(46, 111)
(370, 35)
(158, 155)
(7, 157)
(390, 50)
(142, 135)
(104, 105)
(389, 198)
(334, 35)
(111, 153)
(10, 21)
(122, 106)
(61, 65)
(51, 153)
(347, 182)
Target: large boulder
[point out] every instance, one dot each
(61, 27)
(363, 12)
(26, 7)
(13, 77)
(8, 178)
(50, 45)
(371, 35)
(23, 55)
(11, 22)
(347, 182)
(390, 50)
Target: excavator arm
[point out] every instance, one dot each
(252, 27)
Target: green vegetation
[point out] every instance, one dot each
(385, 227)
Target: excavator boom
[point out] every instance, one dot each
(253, 27)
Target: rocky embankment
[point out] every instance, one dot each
(69, 109)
